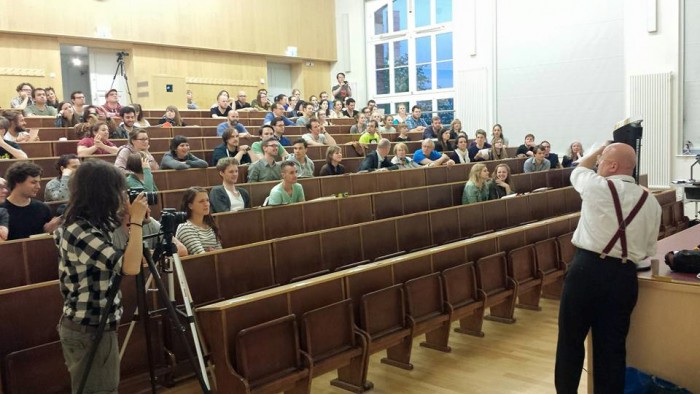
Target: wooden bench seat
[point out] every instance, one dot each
(522, 267)
(500, 289)
(550, 267)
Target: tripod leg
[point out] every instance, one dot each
(145, 319)
(133, 322)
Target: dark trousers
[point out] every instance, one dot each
(598, 294)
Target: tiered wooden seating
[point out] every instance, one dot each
(428, 312)
(681, 221)
(551, 271)
(464, 299)
(522, 267)
(566, 249)
(492, 277)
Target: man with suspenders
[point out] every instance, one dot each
(618, 228)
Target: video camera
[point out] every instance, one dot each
(170, 219)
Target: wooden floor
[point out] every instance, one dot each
(511, 358)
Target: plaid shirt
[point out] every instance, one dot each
(87, 264)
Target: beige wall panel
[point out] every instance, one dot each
(265, 27)
(316, 79)
(30, 59)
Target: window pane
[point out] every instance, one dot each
(424, 79)
(401, 79)
(443, 46)
(401, 53)
(443, 11)
(405, 104)
(381, 17)
(446, 105)
(383, 81)
(381, 54)
(444, 75)
(422, 12)
(423, 54)
(400, 16)
(426, 107)
(385, 107)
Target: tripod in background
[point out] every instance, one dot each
(120, 70)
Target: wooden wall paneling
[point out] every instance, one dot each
(245, 269)
(321, 215)
(341, 246)
(413, 231)
(411, 268)
(241, 228)
(297, 256)
(283, 220)
(356, 209)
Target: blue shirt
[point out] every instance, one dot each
(412, 123)
(270, 116)
(418, 156)
(224, 126)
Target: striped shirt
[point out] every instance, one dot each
(87, 263)
(196, 239)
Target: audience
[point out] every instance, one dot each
(388, 126)
(292, 103)
(260, 103)
(141, 121)
(415, 122)
(230, 148)
(199, 233)
(39, 108)
(138, 142)
(226, 197)
(51, 99)
(77, 98)
(460, 153)
(478, 187)
(4, 216)
(537, 162)
(528, 148)
(378, 160)
(307, 114)
(266, 168)
(57, 188)
(222, 107)
(190, 100)
(232, 122)
(444, 144)
(435, 129)
(277, 112)
(403, 133)
(498, 150)
(400, 159)
(171, 117)
(128, 115)
(334, 155)
(324, 107)
(316, 135)
(28, 216)
(401, 114)
(66, 115)
(305, 166)
(350, 111)
(266, 133)
(96, 141)
(111, 106)
(573, 154)
(427, 156)
(497, 132)
(456, 129)
(479, 148)
(337, 111)
(179, 157)
(9, 149)
(278, 125)
(16, 131)
(24, 96)
(360, 125)
(140, 175)
(342, 90)
(89, 113)
(553, 158)
(288, 191)
(242, 101)
(501, 183)
(371, 134)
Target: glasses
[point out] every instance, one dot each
(143, 139)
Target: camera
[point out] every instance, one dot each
(151, 197)
(122, 54)
(170, 219)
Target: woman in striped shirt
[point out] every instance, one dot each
(199, 233)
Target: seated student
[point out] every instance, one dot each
(537, 162)
(128, 115)
(278, 125)
(478, 187)
(266, 132)
(337, 111)
(231, 122)
(378, 160)
(9, 149)
(360, 124)
(553, 158)
(460, 154)
(260, 102)
(435, 129)
(305, 166)
(39, 108)
(307, 114)
(371, 134)
(24, 96)
(180, 157)
(476, 148)
(96, 141)
(502, 185)
(350, 111)
(400, 159)
(222, 106)
(230, 148)
(242, 102)
(140, 175)
(497, 132)
(498, 150)
(226, 197)
(266, 169)
(16, 132)
(199, 233)
(51, 99)
(277, 111)
(316, 134)
(172, 117)
(573, 155)
(444, 144)
(456, 129)
(4, 216)
(138, 142)
(334, 155)
(66, 116)
(415, 122)
(288, 191)
(89, 113)
(403, 133)
(427, 156)
(57, 188)
(111, 107)
(528, 148)
(28, 216)
(141, 121)
(388, 126)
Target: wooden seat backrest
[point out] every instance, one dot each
(492, 273)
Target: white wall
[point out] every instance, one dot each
(350, 33)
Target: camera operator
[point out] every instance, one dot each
(342, 90)
(88, 261)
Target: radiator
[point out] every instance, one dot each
(473, 100)
(650, 100)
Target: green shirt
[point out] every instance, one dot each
(278, 196)
(472, 194)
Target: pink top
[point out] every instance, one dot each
(90, 141)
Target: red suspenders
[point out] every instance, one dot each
(622, 224)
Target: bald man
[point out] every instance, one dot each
(600, 289)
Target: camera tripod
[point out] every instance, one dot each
(120, 70)
(168, 300)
